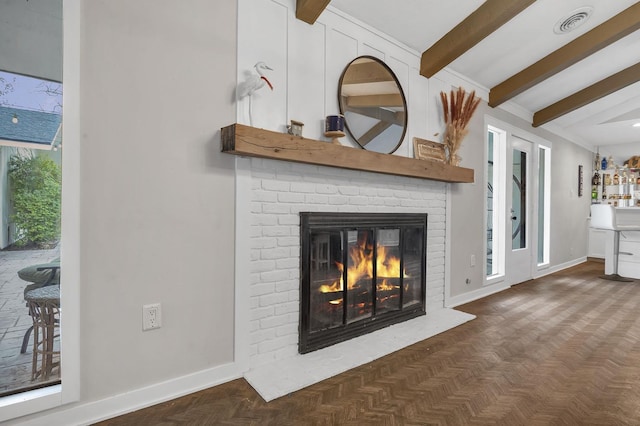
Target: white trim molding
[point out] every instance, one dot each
(470, 296)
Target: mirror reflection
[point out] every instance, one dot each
(373, 105)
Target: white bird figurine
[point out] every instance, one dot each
(254, 82)
(251, 84)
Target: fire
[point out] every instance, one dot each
(387, 266)
(361, 267)
(386, 286)
(336, 286)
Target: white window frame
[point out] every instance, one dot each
(499, 200)
(68, 391)
(546, 254)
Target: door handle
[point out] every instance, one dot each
(514, 218)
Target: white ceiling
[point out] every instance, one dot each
(606, 123)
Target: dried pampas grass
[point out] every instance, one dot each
(457, 112)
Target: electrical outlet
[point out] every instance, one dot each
(151, 316)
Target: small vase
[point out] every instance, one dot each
(453, 158)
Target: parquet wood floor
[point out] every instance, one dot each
(559, 350)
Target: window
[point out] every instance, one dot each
(30, 202)
(32, 401)
(544, 201)
(519, 199)
(495, 234)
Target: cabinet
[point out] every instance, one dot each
(629, 259)
(621, 190)
(597, 243)
(601, 244)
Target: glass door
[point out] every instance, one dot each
(519, 263)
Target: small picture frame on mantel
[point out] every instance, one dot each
(428, 150)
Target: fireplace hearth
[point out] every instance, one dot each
(359, 272)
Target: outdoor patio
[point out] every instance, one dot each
(15, 368)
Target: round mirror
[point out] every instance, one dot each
(373, 105)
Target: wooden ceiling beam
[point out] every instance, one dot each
(590, 94)
(373, 132)
(385, 100)
(621, 25)
(393, 117)
(309, 10)
(366, 72)
(473, 29)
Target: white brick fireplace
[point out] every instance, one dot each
(270, 196)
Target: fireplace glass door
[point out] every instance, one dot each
(359, 273)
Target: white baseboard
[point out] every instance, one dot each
(92, 412)
(550, 270)
(461, 299)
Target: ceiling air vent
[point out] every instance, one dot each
(573, 20)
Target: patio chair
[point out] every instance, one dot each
(40, 275)
(44, 308)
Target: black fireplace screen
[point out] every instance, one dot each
(359, 273)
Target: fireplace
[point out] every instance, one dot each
(382, 259)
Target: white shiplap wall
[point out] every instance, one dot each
(307, 62)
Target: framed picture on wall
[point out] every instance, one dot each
(580, 180)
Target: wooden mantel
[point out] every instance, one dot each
(249, 141)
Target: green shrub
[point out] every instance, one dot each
(35, 182)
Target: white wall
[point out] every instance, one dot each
(157, 194)
(307, 62)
